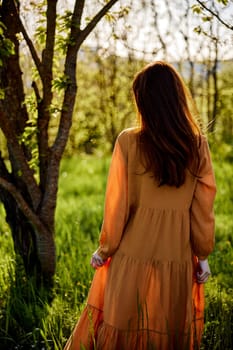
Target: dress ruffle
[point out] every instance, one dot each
(150, 318)
(92, 333)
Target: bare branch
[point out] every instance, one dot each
(215, 14)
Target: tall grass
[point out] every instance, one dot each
(32, 319)
(219, 290)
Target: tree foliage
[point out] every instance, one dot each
(210, 9)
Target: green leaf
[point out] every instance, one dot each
(197, 9)
(198, 30)
(61, 82)
(40, 34)
(7, 47)
(110, 17)
(2, 28)
(64, 21)
(206, 18)
(224, 2)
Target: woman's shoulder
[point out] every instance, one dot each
(203, 143)
(128, 133)
(127, 140)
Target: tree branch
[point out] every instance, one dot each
(31, 48)
(216, 15)
(155, 16)
(29, 42)
(77, 15)
(37, 93)
(77, 36)
(47, 55)
(50, 191)
(91, 25)
(44, 113)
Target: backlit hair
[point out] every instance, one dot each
(169, 134)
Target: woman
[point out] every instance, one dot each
(158, 228)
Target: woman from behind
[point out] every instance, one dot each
(158, 228)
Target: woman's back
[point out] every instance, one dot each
(158, 226)
(158, 220)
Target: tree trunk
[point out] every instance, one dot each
(30, 204)
(27, 236)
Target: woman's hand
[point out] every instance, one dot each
(96, 261)
(204, 271)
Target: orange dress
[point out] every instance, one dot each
(146, 295)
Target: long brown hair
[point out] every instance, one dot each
(168, 138)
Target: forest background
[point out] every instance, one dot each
(198, 42)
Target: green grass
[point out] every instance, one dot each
(31, 319)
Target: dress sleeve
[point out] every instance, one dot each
(116, 205)
(202, 212)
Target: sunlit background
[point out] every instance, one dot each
(133, 33)
(200, 45)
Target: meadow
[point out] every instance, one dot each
(32, 319)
